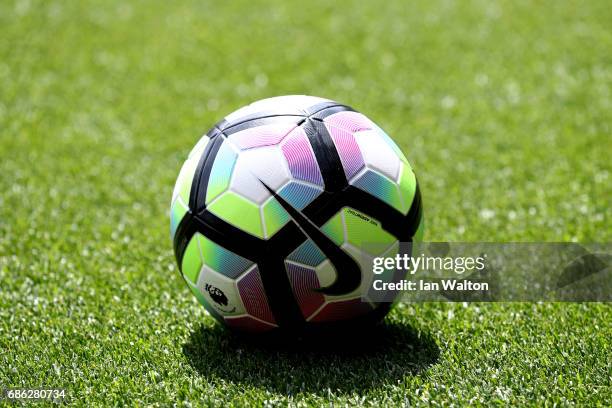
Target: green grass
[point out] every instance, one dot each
(503, 108)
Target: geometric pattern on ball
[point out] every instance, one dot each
(308, 268)
(224, 286)
(179, 205)
(254, 156)
(239, 212)
(261, 136)
(242, 252)
(377, 154)
(220, 292)
(305, 284)
(263, 163)
(301, 158)
(221, 260)
(221, 172)
(371, 160)
(253, 296)
(379, 186)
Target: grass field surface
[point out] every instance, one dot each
(503, 109)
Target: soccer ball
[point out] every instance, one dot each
(280, 206)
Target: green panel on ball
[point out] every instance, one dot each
(239, 212)
(407, 186)
(366, 233)
(177, 212)
(185, 179)
(221, 172)
(334, 228)
(192, 262)
(381, 187)
(275, 217)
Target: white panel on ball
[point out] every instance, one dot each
(377, 154)
(266, 164)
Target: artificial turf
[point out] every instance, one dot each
(503, 108)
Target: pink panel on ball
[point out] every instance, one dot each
(342, 310)
(303, 281)
(247, 323)
(300, 158)
(348, 150)
(253, 296)
(265, 135)
(350, 121)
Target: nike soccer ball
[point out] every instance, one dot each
(279, 208)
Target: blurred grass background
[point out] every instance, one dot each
(503, 108)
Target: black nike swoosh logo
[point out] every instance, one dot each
(348, 272)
